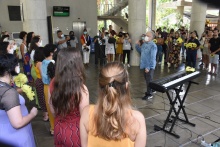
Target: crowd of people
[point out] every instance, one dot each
(161, 46)
(111, 46)
(56, 73)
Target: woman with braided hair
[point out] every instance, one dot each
(112, 121)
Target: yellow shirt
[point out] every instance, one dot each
(99, 142)
(37, 72)
(119, 49)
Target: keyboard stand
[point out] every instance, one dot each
(181, 106)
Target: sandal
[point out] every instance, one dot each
(51, 132)
(46, 118)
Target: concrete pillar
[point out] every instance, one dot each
(105, 24)
(198, 17)
(114, 25)
(136, 26)
(152, 14)
(218, 26)
(180, 11)
(35, 18)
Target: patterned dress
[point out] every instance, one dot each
(174, 54)
(66, 130)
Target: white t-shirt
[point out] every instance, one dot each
(126, 45)
(61, 46)
(109, 47)
(73, 42)
(19, 51)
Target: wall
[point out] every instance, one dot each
(80, 10)
(5, 23)
(85, 10)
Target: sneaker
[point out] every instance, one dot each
(201, 64)
(153, 91)
(147, 97)
(128, 65)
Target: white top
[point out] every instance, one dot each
(19, 51)
(32, 55)
(126, 44)
(61, 46)
(25, 48)
(109, 47)
(74, 42)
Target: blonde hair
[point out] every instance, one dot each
(114, 103)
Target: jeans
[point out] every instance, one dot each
(148, 78)
(159, 53)
(191, 57)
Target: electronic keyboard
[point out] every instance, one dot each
(172, 81)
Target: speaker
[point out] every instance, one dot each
(50, 29)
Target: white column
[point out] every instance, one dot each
(218, 20)
(35, 18)
(198, 17)
(115, 26)
(136, 26)
(180, 11)
(152, 14)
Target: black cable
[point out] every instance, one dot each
(197, 138)
(165, 139)
(205, 117)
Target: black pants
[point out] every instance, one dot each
(148, 78)
(126, 52)
(97, 54)
(165, 51)
(102, 56)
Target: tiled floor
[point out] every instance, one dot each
(202, 106)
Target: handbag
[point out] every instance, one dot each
(131, 47)
(27, 57)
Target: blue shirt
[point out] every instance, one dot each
(45, 77)
(148, 52)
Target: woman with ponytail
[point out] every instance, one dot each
(113, 121)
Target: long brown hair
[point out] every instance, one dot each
(68, 82)
(114, 103)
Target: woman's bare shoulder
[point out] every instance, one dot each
(138, 115)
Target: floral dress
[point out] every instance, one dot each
(174, 54)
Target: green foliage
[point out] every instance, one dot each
(165, 17)
(161, 13)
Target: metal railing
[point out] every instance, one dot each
(113, 9)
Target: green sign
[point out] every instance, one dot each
(61, 11)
